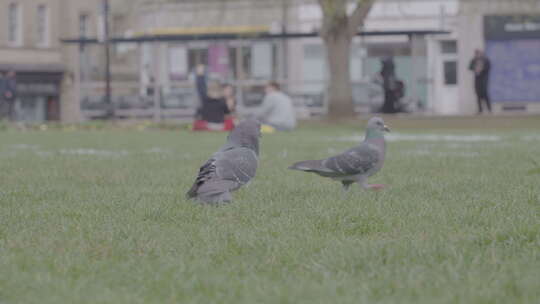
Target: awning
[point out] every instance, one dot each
(171, 36)
(32, 68)
(36, 78)
(239, 30)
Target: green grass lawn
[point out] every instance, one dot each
(100, 217)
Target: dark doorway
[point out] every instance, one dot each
(53, 108)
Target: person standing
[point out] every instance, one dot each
(9, 93)
(480, 66)
(3, 102)
(389, 83)
(277, 109)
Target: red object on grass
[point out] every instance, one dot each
(202, 125)
(228, 125)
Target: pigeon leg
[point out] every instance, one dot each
(346, 185)
(362, 181)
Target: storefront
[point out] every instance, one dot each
(38, 92)
(246, 64)
(513, 46)
(509, 33)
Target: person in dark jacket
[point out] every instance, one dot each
(8, 92)
(211, 114)
(480, 66)
(3, 103)
(388, 75)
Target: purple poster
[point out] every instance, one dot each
(218, 59)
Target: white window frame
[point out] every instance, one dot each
(84, 20)
(18, 41)
(43, 38)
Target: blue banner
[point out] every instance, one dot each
(515, 70)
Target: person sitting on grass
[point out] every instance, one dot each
(214, 105)
(277, 109)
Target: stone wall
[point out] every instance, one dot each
(208, 14)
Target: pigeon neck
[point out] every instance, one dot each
(245, 142)
(374, 134)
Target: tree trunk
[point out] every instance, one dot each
(338, 50)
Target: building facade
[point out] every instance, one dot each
(415, 57)
(298, 63)
(434, 68)
(46, 70)
(509, 32)
(29, 47)
(58, 81)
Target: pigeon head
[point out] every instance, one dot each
(246, 134)
(376, 128)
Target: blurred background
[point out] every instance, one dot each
(78, 60)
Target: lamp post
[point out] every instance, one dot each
(106, 43)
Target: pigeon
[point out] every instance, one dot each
(356, 164)
(231, 167)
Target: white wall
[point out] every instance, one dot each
(391, 15)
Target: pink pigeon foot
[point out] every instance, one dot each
(376, 187)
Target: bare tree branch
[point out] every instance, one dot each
(360, 13)
(334, 13)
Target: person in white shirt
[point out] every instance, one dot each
(277, 109)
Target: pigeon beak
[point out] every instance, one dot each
(386, 128)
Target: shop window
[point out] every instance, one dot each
(245, 53)
(388, 49)
(259, 61)
(177, 64)
(83, 25)
(196, 57)
(450, 72)
(262, 61)
(314, 62)
(42, 25)
(14, 25)
(449, 47)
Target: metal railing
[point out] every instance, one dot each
(131, 100)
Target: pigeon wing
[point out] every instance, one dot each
(226, 171)
(358, 160)
(206, 173)
(238, 165)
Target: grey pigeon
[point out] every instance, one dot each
(356, 164)
(233, 166)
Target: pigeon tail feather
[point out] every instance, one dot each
(193, 191)
(309, 166)
(205, 172)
